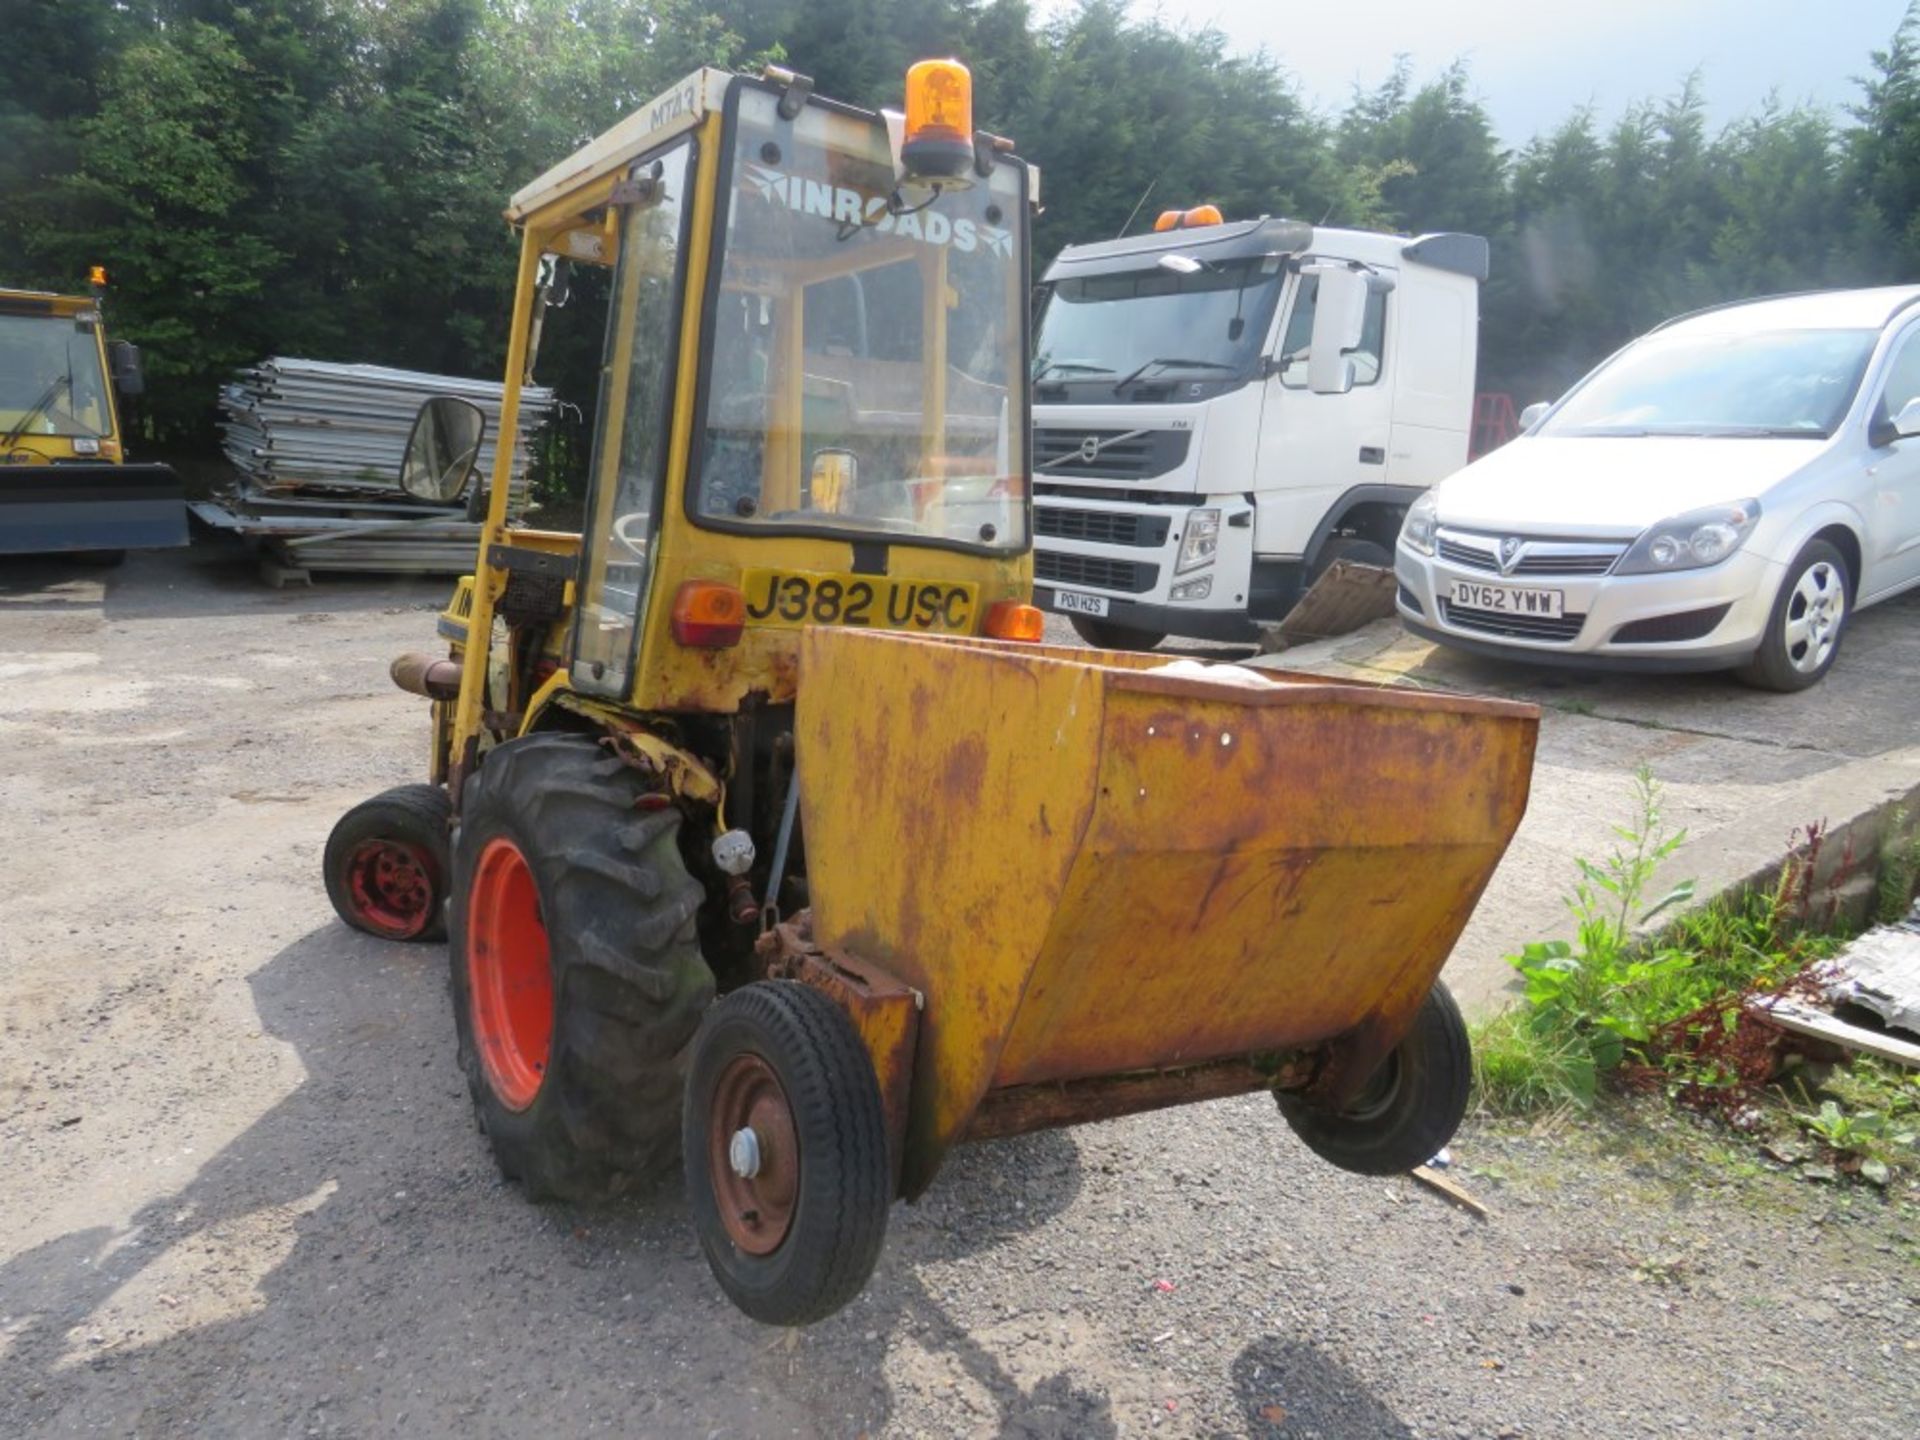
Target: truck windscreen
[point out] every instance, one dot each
(50, 378)
(1149, 324)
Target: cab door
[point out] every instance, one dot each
(1314, 447)
(1892, 499)
(628, 470)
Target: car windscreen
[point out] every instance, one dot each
(1215, 320)
(1793, 383)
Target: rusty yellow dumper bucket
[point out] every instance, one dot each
(1113, 882)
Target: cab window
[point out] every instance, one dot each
(1368, 356)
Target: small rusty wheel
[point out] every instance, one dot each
(786, 1143)
(1409, 1107)
(753, 1155)
(386, 864)
(392, 884)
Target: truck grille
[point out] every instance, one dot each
(1512, 627)
(1103, 527)
(1538, 557)
(1120, 454)
(1128, 577)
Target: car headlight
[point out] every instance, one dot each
(1416, 531)
(1201, 542)
(1691, 541)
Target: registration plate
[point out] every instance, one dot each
(1509, 599)
(1079, 602)
(790, 598)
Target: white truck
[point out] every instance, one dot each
(1222, 410)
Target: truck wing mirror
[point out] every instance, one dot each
(1339, 319)
(442, 449)
(1534, 414)
(128, 378)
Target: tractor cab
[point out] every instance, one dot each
(812, 405)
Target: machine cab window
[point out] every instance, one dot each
(865, 369)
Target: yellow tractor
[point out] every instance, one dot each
(763, 828)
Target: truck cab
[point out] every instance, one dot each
(1221, 410)
(65, 485)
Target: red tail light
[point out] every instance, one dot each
(708, 615)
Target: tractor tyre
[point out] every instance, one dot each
(1408, 1110)
(386, 864)
(1105, 635)
(786, 1153)
(577, 980)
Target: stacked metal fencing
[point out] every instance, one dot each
(316, 451)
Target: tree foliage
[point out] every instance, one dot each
(325, 177)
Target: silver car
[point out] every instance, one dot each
(1723, 493)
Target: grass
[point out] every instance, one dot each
(1613, 1011)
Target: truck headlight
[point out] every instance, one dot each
(1416, 531)
(1691, 541)
(1201, 542)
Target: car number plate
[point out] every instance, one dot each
(1078, 602)
(1509, 599)
(791, 598)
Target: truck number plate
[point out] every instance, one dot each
(790, 598)
(1078, 602)
(1508, 599)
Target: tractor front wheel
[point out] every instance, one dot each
(786, 1152)
(1410, 1107)
(577, 981)
(386, 864)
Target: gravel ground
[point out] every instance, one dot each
(243, 1192)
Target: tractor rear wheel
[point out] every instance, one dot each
(386, 864)
(1408, 1110)
(786, 1152)
(577, 980)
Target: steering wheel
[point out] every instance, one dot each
(631, 530)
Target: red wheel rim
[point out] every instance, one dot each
(509, 983)
(756, 1209)
(393, 887)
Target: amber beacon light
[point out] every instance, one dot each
(939, 130)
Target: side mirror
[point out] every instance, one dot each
(1339, 317)
(443, 448)
(1534, 414)
(128, 377)
(1907, 422)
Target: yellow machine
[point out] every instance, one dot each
(65, 484)
(776, 728)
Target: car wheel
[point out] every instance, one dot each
(1809, 618)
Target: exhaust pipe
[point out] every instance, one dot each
(424, 675)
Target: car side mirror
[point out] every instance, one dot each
(1907, 422)
(1534, 414)
(442, 449)
(128, 377)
